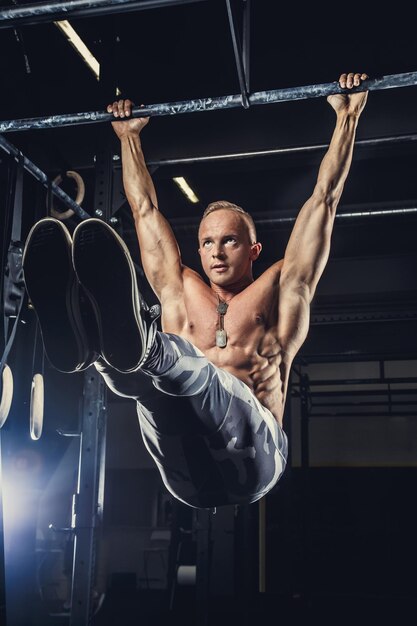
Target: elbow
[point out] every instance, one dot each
(301, 283)
(328, 196)
(142, 207)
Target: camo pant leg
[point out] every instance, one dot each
(213, 441)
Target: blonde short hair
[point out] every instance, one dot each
(229, 206)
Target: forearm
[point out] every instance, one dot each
(137, 182)
(309, 245)
(159, 251)
(336, 163)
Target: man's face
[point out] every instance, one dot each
(225, 249)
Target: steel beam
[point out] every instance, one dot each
(210, 104)
(43, 178)
(40, 12)
(89, 499)
(269, 222)
(234, 156)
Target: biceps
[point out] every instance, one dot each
(159, 252)
(309, 244)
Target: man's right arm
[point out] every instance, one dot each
(159, 250)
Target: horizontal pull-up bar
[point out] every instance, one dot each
(210, 104)
(43, 179)
(40, 12)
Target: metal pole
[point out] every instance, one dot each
(246, 43)
(234, 156)
(341, 216)
(305, 489)
(43, 179)
(210, 104)
(203, 532)
(41, 12)
(88, 502)
(238, 52)
(192, 225)
(262, 545)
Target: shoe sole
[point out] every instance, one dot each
(105, 269)
(50, 284)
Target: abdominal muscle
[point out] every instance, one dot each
(253, 353)
(254, 358)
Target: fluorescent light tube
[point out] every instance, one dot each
(186, 189)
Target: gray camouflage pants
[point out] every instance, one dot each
(211, 439)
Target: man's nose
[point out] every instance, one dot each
(217, 252)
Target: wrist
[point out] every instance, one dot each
(130, 136)
(348, 119)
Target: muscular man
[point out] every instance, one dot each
(211, 387)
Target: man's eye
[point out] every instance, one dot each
(207, 244)
(230, 240)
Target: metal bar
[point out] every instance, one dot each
(233, 156)
(246, 43)
(203, 533)
(43, 179)
(237, 49)
(88, 502)
(339, 216)
(361, 381)
(41, 12)
(210, 104)
(363, 392)
(191, 225)
(305, 439)
(305, 579)
(262, 545)
(365, 414)
(359, 404)
(2, 559)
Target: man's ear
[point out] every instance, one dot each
(199, 251)
(255, 251)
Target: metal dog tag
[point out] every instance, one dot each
(222, 307)
(221, 338)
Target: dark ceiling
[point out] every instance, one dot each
(183, 52)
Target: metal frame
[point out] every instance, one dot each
(311, 399)
(42, 178)
(41, 12)
(303, 389)
(392, 81)
(88, 501)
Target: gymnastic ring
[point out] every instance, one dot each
(6, 394)
(36, 407)
(64, 215)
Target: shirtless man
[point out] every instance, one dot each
(219, 370)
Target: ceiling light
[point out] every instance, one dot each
(77, 43)
(186, 189)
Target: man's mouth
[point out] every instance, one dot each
(219, 267)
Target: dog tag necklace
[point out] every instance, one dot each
(221, 335)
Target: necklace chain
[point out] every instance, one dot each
(221, 335)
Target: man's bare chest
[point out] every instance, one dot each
(239, 323)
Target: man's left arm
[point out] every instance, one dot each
(308, 248)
